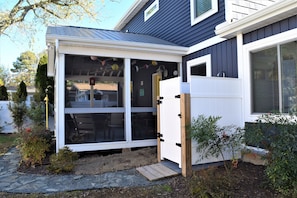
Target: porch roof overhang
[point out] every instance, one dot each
(108, 39)
(268, 15)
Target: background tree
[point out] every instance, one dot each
(21, 94)
(25, 68)
(4, 75)
(3, 93)
(43, 82)
(26, 13)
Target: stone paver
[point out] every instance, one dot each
(15, 182)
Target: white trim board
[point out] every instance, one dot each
(281, 38)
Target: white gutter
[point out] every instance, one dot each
(271, 14)
(132, 11)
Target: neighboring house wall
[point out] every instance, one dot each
(172, 22)
(270, 30)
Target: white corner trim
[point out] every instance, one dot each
(204, 44)
(197, 61)
(276, 12)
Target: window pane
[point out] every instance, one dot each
(288, 64)
(144, 126)
(142, 82)
(265, 87)
(202, 6)
(93, 82)
(93, 128)
(199, 70)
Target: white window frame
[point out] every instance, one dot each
(213, 10)
(151, 10)
(198, 61)
(259, 45)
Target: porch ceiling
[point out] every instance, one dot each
(93, 66)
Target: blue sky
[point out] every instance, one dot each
(10, 49)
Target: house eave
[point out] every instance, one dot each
(134, 9)
(115, 44)
(268, 15)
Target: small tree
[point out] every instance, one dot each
(214, 140)
(18, 107)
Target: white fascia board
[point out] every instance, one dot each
(126, 45)
(204, 44)
(132, 11)
(276, 12)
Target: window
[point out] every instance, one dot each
(202, 9)
(199, 66)
(274, 82)
(199, 70)
(151, 10)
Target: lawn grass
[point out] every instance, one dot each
(7, 141)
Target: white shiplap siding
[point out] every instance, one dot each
(238, 9)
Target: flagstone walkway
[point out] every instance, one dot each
(15, 182)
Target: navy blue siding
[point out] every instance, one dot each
(173, 23)
(270, 30)
(223, 58)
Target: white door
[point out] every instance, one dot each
(170, 122)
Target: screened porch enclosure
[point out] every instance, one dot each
(95, 98)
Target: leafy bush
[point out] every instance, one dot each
(214, 140)
(278, 134)
(34, 145)
(63, 161)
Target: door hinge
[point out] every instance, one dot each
(162, 140)
(159, 102)
(177, 96)
(159, 135)
(178, 144)
(179, 115)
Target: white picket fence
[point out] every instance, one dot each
(6, 121)
(210, 96)
(215, 96)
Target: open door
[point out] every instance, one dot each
(170, 120)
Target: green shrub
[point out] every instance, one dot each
(278, 134)
(34, 145)
(63, 161)
(213, 140)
